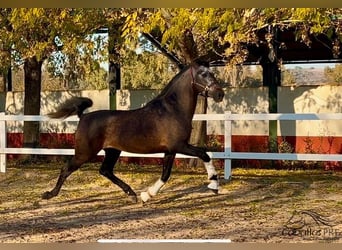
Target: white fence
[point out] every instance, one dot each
(227, 154)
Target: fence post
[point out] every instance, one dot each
(227, 145)
(2, 142)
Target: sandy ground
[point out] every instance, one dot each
(254, 206)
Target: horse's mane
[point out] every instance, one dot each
(172, 81)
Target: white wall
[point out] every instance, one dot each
(241, 101)
(310, 99)
(304, 99)
(49, 102)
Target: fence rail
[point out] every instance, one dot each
(227, 155)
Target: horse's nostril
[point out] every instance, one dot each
(220, 95)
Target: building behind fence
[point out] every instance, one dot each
(323, 137)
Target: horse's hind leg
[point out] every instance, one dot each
(189, 149)
(154, 189)
(67, 170)
(208, 163)
(107, 168)
(212, 176)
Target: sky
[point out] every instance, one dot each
(310, 65)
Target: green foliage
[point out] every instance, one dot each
(334, 75)
(287, 78)
(33, 32)
(239, 75)
(41, 32)
(60, 35)
(212, 27)
(149, 70)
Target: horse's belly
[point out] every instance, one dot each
(144, 135)
(140, 150)
(137, 144)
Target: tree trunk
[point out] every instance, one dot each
(188, 52)
(199, 130)
(32, 80)
(9, 80)
(114, 69)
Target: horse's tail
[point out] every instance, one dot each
(72, 106)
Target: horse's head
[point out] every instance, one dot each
(296, 221)
(205, 83)
(306, 218)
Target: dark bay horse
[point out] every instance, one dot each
(162, 126)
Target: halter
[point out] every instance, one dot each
(205, 90)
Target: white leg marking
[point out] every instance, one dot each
(156, 187)
(210, 169)
(152, 191)
(211, 172)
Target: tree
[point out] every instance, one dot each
(146, 70)
(30, 36)
(240, 75)
(214, 34)
(288, 78)
(185, 32)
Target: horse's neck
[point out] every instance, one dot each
(185, 95)
(178, 96)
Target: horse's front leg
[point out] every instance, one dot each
(154, 189)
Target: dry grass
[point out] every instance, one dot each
(253, 207)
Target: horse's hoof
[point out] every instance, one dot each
(47, 195)
(133, 198)
(145, 196)
(214, 186)
(215, 191)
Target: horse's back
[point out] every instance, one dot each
(142, 130)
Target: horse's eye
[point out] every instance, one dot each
(205, 74)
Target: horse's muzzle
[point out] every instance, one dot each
(218, 95)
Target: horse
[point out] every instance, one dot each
(300, 219)
(163, 125)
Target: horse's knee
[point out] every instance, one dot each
(101, 171)
(205, 157)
